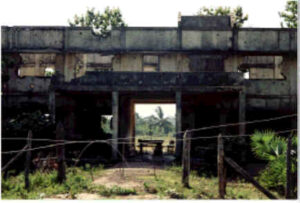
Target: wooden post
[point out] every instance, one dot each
(288, 168)
(244, 173)
(221, 168)
(178, 125)
(115, 124)
(28, 160)
(186, 159)
(14, 158)
(60, 150)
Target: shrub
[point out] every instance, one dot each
(269, 147)
(115, 190)
(149, 188)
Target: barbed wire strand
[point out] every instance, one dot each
(109, 142)
(180, 132)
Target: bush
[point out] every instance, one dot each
(149, 188)
(269, 147)
(115, 190)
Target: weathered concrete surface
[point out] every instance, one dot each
(206, 40)
(66, 39)
(134, 80)
(205, 22)
(29, 85)
(267, 87)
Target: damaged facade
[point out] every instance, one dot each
(212, 72)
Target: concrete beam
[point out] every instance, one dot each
(153, 39)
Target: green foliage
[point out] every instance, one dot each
(290, 15)
(115, 190)
(105, 124)
(166, 184)
(157, 125)
(45, 184)
(237, 16)
(23, 122)
(274, 176)
(269, 147)
(101, 23)
(150, 188)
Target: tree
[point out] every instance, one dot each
(289, 15)
(163, 123)
(236, 14)
(102, 23)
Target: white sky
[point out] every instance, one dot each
(262, 13)
(149, 109)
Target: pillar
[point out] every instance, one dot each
(242, 127)
(52, 105)
(178, 125)
(132, 127)
(115, 124)
(223, 115)
(242, 112)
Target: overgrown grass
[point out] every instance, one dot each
(45, 184)
(115, 190)
(167, 184)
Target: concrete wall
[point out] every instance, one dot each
(67, 39)
(275, 94)
(169, 62)
(128, 62)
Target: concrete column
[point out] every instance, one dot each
(223, 115)
(115, 124)
(178, 125)
(132, 127)
(242, 112)
(69, 66)
(52, 105)
(125, 123)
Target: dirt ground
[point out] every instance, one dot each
(126, 175)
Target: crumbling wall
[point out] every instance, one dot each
(36, 64)
(128, 62)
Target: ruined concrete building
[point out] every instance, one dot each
(212, 72)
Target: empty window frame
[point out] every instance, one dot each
(150, 63)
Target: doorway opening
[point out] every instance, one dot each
(155, 127)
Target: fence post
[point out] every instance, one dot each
(28, 160)
(186, 159)
(221, 168)
(244, 173)
(288, 168)
(60, 151)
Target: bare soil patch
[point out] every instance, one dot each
(127, 175)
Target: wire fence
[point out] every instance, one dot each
(60, 144)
